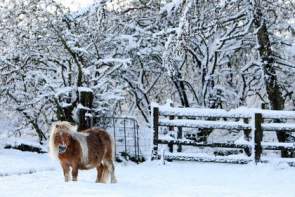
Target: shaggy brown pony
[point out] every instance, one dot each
(91, 148)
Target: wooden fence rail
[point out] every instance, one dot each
(254, 121)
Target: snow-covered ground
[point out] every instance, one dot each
(35, 175)
(14, 162)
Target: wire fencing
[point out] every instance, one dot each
(124, 131)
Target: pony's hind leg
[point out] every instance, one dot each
(111, 169)
(105, 174)
(101, 174)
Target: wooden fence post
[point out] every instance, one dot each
(247, 137)
(170, 130)
(179, 136)
(258, 135)
(155, 115)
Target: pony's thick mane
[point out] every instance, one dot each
(71, 130)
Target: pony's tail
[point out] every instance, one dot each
(113, 145)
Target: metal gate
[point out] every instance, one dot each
(125, 134)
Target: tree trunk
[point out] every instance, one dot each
(180, 86)
(86, 100)
(273, 90)
(34, 124)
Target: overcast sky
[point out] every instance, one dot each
(76, 4)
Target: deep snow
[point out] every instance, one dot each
(150, 179)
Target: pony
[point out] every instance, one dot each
(91, 148)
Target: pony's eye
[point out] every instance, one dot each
(56, 138)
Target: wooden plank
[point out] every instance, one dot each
(221, 113)
(204, 124)
(207, 159)
(277, 114)
(235, 119)
(278, 146)
(202, 112)
(278, 127)
(246, 160)
(192, 143)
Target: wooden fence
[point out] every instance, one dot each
(253, 122)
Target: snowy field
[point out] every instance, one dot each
(35, 175)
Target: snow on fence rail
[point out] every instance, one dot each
(217, 113)
(204, 124)
(250, 120)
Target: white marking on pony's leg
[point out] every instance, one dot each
(105, 175)
(113, 178)
(102, 174)
(111, 170)
(67, 177)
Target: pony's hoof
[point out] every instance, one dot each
(67, 179)
(103, 182)
(114, 181)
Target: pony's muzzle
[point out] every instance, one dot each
(62, 149)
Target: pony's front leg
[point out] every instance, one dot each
(74, 172)
(66, 170)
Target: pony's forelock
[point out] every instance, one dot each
(72, 130)
(53, 150)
